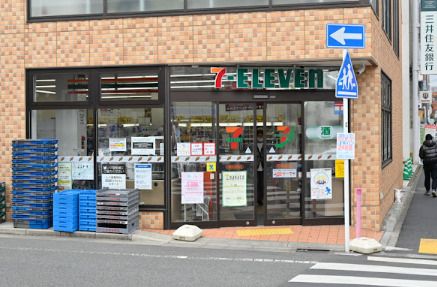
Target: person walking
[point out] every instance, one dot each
(428, 154)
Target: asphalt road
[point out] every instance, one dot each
(421, 220)
(44, 261)
(38, 261)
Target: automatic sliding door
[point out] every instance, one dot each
(283, 161)
(236, 161)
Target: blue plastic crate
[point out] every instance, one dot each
(32, 224)
(65, 228)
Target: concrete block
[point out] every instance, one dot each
(187, 233)
(365, 245)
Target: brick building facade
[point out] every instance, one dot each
(291, 37)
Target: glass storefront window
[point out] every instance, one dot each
(131, 151)
(193, 162)
(121, 6)
(61, 87)
(283, 163)
(74, 128)
(41, 8)
(196, 4)
(323, 120)
(133, 86)
(237, 162)
(279, 2)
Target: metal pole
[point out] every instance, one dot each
(346, 180)
(415, 84)
(406, 88)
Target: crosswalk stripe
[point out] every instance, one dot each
(357, 280)
(375, 268)
(402, 260)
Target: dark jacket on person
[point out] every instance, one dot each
(428, 152)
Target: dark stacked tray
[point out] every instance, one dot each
(87, 210)
(2, 202)
(66, 211)
(117, 211)
(34, 180)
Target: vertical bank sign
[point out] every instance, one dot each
(428, 37)
(269, 78)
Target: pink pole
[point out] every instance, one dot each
(358, 193)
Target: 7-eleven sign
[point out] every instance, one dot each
(235, 138)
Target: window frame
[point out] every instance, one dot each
(185, 11)
(94, 104)
(386, 119)
(387, 17)
(396, 28)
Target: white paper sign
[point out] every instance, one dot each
(234, 188)
(345, 146)
(64, 176)
(143, 176)
(321, 183)
(284, 173)
(192, 187)
(143, 145)
(208, 148)
(117, 144)
(114, 181)
(83, 171)
(196, 149)
(183, 149)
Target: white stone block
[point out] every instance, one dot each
(365, 245)
(187, 233)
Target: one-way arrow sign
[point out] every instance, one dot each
(345, 36)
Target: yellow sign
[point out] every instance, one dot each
(210, 166)
(339, 168)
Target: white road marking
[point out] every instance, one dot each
(402, 260)
(357, 280)
(375, 268)
(178, 257)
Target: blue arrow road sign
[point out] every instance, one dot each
(345, 36)
(347, 85)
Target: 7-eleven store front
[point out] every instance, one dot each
(246, 143)
(210, 146)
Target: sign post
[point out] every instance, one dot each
(346, 88)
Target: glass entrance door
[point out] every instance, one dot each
(283, 163)
(236, 134)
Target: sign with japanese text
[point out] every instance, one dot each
(428, 37)
(64, 176)
(234, 188)
(143, 176)
(83, 171)
(114, 176)
(345, 146)
(192, 187)
(321, 183)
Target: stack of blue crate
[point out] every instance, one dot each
(66, 211)
(87, 210)
(34, 180)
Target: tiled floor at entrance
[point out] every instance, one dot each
(333, 234)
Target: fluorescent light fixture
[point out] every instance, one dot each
(45, 92)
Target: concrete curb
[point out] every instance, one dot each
(8, 229)
(397, 214)
(234, 244)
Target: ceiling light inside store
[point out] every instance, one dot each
(46, 92)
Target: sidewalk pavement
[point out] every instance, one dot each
(260, 238)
